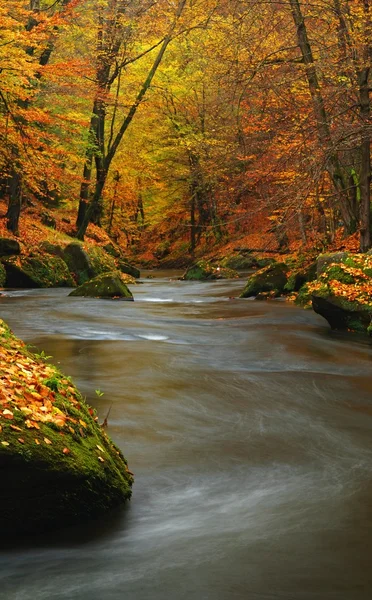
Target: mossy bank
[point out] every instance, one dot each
(58, 465)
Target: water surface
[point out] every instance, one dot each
(249, 428)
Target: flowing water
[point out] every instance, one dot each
(249, 428)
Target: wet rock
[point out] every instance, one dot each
(342, 314)
(203, 271)
(272, 278)
(298, 278)
(106, 285)
(129, 269)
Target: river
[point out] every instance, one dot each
(248, 426)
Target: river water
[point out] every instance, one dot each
(249, 428)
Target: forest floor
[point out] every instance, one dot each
(149, 251)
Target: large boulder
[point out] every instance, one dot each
(37, 272)
(129, 269)
(78, 262)
(9, 247)
(53, 249)
(299, 277)
(342, 293)
(100, 261)
(324, 260)
(272, 278)
(203, 271)
(58, 466)
(106, 285)
(240, 262)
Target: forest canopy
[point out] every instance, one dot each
(189, 121)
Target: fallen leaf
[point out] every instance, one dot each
(5, 443)
(47, 441)
(21, 440)
(7, 414)
(16, 428)
(101, 459)
(66, 451)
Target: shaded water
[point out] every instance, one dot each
(249, 428)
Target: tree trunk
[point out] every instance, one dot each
(365, 166)
(15, 201)
(333, 164)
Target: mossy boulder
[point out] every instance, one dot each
(106, 285)
(298, 278)
(53, 249)
(58, 466)
(342, 293)
(342, 314)
(265, 262)
(78, 262)
(125, 267)
(272, 278)
(324, 260)
(112, 250)
(37, 272)
(203, 271)
(9, 247)
(47, 219)
(100, 261)
(240, 262)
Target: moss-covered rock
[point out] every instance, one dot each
(9, 247)
(100, 261)
(106, 285)
(269, 279)
(265, 262)
(47, 219)
(240, 262)
(112, 250)
(324, 260)
(53, 249)
(37, 272)
(57, 464)
(298, 278)
(343, 293)
(78, 262)
(203, 270)
(125, 267)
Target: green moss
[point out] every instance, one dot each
(270, 278)
(101, 261)
(55, 472)
(38, 271)
(336, 272)
(203, 270)
(106, 285)
(239, 262)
